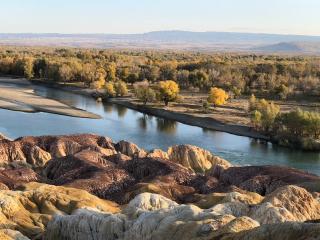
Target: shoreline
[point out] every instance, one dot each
(18, 96)
(203, 122)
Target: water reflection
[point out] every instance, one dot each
(108, 108)
(121, 110)
(144, 121)
(149, 132)
(166, 126)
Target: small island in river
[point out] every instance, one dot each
(21, 98)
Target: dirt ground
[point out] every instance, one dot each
(235, 111)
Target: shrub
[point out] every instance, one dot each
(206, 107)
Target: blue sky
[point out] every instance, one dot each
(135, 16)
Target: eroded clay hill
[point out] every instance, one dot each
(88, 187)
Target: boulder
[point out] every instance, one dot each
(152, 217)
(130, 149)
(289, 203)
(195, 158)
(279, 231)
(3, 137)
(30, 209)
(9, 234)
(38, 157)
(158, 153)
(209, 200)
(264, 179)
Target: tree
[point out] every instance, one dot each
(236, 92)
(268, 112)
(65, 73)
(168, 70)
(144, 93)
(283, 91)
(252, 103)
(256, 119)
(132, 77)
(28, 68)
(199, 78)
(120, 88)
(168, 91)
(88, 74)
(217, 96)
(299, 124)
(111, 70)
(99, 78)
(110, 92)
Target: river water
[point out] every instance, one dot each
(149, 132)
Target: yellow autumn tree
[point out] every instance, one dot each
(109, 87)
(168, 91)
(217, 96)
(121, 88)
(100, 76)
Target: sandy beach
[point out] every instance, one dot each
(23, 99)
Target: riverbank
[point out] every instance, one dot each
(199, 121)
(23, 99)
(194, 119)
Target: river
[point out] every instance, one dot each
(149, 132)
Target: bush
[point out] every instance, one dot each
(206, 107)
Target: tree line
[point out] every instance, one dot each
(297, 128)
(263, 75)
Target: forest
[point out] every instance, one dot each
(269, 76)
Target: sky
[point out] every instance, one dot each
(138, 16)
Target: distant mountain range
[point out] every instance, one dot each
(182, 40)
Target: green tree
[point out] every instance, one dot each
(268, 111)
(256, 119)
(199, 78)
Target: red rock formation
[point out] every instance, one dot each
(121, 171)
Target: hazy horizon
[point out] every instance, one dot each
(164, 30)
(288, 17)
